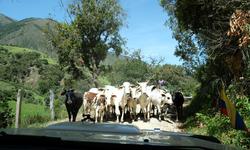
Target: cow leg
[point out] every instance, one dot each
(177, 113)
(117, 112)
(108, 112)
(133, 113)
(144, 114)
(148, 112)
(181, 112)
(123, 111)
(155, 110)
(159, 112)
(96, 114)
(74, 113)
(105, 114)
(74, 117)
(101, 116)
(69, 114)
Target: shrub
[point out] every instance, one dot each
(6, 117)
(7, 91)
(215, 124)
(60, 109)
(198, 103)
(243, 106)
(208, 122)
(236, 137)
(30, 96)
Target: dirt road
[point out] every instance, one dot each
(166, 125)
(155, 123)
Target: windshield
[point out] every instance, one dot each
(160, 65)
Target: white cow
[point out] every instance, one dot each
(108, 92)
(133, 103)
(159, 98)
(120, 97)
(144, 101)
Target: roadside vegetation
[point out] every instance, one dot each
(213, 41)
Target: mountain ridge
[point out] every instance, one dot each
(28, 33)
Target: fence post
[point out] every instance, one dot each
(18, 108)
(51, 104)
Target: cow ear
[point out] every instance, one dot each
(101, 89)
(63, 92)
(154, 87)
(138, 89)
(132, 85)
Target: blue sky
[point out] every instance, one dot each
(144, 28)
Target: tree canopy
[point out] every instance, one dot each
(92, 33)
(209, 36)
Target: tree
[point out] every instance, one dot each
(92, 33)
(50, 78)
(207, 26)
(131, 68)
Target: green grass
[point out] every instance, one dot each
(34, 115)
(31, 113)
(14, 49)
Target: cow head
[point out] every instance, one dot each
(100, 100)
(69, 95)
(135, 92)
(143, 86)
(167, 98)
(126, 87)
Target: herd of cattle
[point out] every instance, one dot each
(104, 103)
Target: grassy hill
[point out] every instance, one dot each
(27, 33)
(14, 49)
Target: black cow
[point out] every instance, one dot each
(178, 103)
(73, 102)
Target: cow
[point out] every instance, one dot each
(89, 103)
(73, 102)
(159, 98)
(133, 104)
(143, 99)
(110, 105)
(178, 103)
(100, 106)
(120, 97)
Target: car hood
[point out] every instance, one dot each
(116, 133)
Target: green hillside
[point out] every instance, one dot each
(14, 49)
(27, 33)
